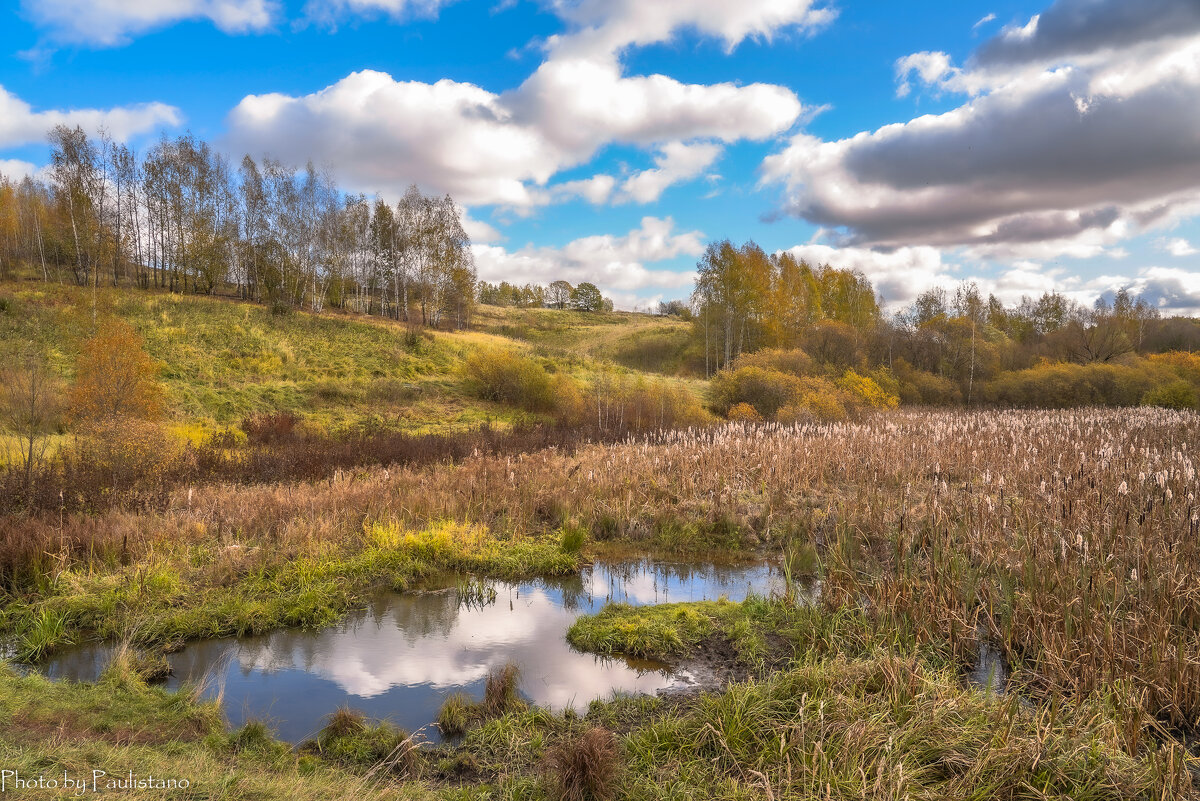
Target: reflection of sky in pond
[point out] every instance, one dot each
(400, 657)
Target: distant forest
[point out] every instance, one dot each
(771, 330)
(948, 347)
(181, 218)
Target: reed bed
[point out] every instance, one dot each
(1070, 538)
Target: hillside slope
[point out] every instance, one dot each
(222, 360)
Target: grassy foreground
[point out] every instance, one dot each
(842, 718)
(1066, 539)
(119, 725)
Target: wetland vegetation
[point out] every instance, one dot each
(1064, 539)
(966, 538)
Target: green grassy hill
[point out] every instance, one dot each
(637, 341)
(223, 360)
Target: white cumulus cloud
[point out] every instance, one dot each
(604, 27)
(899, 276)
(380, 134)
(16, 169)
(676, 162)
(107, 23)
(616, 264)
(1179, 246)
(1079, 134)
(21, 125)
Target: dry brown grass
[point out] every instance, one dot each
(1069, 537)
(584, 768)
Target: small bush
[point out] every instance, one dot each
(584, 768)
(271, 428)
(115, 378)
(823, 406)
(508, 377)
(866, 392)
(765, 389)
(744, 413)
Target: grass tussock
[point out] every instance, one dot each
(584, 768)
(501, 697)
(456, 714)
(501, 690)
(350, 740)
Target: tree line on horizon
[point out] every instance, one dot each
(181, 218)
(558, 294)
(752, 311)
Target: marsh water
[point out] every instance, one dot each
(400, 657)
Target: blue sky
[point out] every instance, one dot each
(1025, 145)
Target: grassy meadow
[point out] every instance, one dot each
(912, 541)
(222, 361)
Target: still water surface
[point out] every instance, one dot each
(399, 658)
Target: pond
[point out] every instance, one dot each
(400, 657)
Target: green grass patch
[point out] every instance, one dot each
(658, 632)
(758, 629)
(200, 591)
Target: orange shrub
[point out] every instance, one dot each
(115, 377)
(744, 413)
